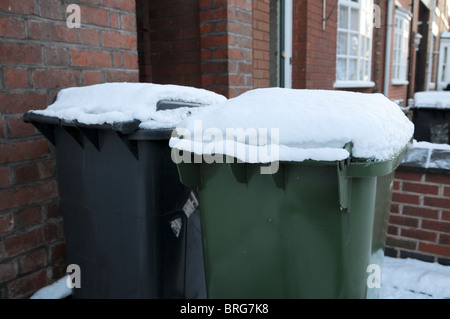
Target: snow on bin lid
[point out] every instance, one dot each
(432, 99)
(312, 124)
(121, 102)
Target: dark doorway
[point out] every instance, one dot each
(421, 59)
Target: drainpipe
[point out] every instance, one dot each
(430, 53)
(387, 63)
(411, 51)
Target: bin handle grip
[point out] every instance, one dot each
(344, 181)
(170, 105)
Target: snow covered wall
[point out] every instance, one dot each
(432, 99)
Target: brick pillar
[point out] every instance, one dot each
(314, 49)
(226, 46)
(299, 44)
(261, 43)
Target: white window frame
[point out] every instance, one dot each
(360, 54)
(402, 20)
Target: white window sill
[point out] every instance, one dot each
(353, 84)
(399, 82)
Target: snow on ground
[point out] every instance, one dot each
(312, 124)
(414, 279)
(120, 102)
(400, 279)
(57, 290)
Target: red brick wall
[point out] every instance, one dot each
(379, 45)
(201, 43)
(169, 41)
(39, 55)
(314, 49)
(261, 43)
(419, 224)
(226, 46)
(240, 47)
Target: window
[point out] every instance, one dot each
(401, 39)
(354, 43)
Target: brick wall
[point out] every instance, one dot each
(169, 41)
(39, 55)
(261, 43)
(226, 46)
(419, 225)
(200, 43)
(314, 49)
(379, 42)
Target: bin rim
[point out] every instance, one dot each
(357, 167)
(379, 168)
(130, 128)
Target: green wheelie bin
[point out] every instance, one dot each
(310, 230)
(286, 235)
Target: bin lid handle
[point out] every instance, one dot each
(174, 104)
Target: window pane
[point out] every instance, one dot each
(362, 70)
(354, 40)
(366, 71)
(354, 20)
(367, 49)
(341, 69)
(354, 45)
(343, 17)
(353, 69)
(342, 43)
(401, 44)
(362, 52)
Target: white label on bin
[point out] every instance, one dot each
(191, 205)
(176, 226)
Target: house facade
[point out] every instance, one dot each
(386, 46)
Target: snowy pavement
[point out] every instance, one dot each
(414, 279)
(401, 279)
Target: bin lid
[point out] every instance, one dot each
(432, 100)
(126, 105)
(266, 125)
